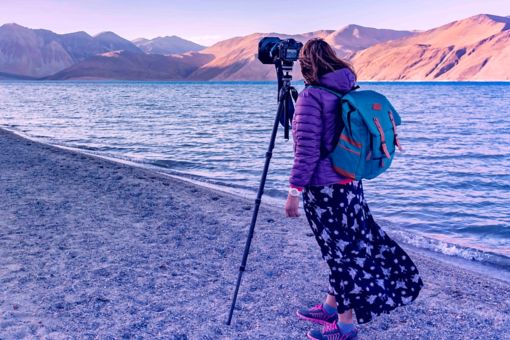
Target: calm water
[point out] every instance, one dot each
(449, 190)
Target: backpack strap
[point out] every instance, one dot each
(384, 147)
(338, 94)
(397, 142)
(338, 122)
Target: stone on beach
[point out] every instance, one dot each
(91, 248)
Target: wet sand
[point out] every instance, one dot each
(95, 249)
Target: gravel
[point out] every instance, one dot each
(95, 249)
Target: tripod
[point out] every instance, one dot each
(286, 95)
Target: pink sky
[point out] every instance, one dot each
(209, 21)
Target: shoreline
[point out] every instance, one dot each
(482, 261)
(90, 247)
(299, 81)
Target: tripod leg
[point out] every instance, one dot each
(260, 191)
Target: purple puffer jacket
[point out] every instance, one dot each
(313, 125)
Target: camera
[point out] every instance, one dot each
(274, 49)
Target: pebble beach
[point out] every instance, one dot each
(95, 249)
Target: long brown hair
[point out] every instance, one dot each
(318, 58)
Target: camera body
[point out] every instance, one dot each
(273, 49)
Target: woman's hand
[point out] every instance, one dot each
(292, 206)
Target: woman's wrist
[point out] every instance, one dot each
(294, 192)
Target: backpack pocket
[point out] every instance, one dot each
(345, 162)
(347, 155)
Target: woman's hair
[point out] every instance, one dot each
(318, 58)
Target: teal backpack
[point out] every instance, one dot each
(368, 135)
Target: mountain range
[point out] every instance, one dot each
(37, 53)
(475, 48)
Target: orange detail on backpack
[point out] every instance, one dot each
(377, 106)
(344, 173)
(350, 141)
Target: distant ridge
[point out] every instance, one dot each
(234, 59)
(110, 41)
(353, 38)
(38, 53)
(475, 48)
(126, 65)
(167, 45)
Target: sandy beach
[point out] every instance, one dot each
(94, 249)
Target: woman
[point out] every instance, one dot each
(369, 273)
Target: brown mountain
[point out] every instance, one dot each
(353, 38)
(37, 53)
(126, 65)
(28, 52)
(235, 59)
(476, 48)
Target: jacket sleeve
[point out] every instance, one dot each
(306, 131)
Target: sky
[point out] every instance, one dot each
(209, 21)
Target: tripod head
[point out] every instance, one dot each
(283, 75)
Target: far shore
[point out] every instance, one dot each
(91, 248)
(7, 78)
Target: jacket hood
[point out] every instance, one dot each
(340, 80)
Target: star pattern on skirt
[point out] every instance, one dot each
(400, 284)
(369, 272)
(355, 290)
(342, 244)
(360, 261)
(327, 190)
(319, 211)
(350, 196)
(371, 299)
(356, 207)
(325, 236)
(390, 302)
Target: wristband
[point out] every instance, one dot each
(294, 192)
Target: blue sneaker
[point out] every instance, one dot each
(332, 332)
(317, 314)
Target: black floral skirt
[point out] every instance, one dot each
(369, 272)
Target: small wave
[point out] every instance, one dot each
(480, 156)
(447, 248)
(171, 164)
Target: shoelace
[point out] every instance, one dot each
(337, 335)
(317, 307)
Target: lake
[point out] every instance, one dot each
(449, 191)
